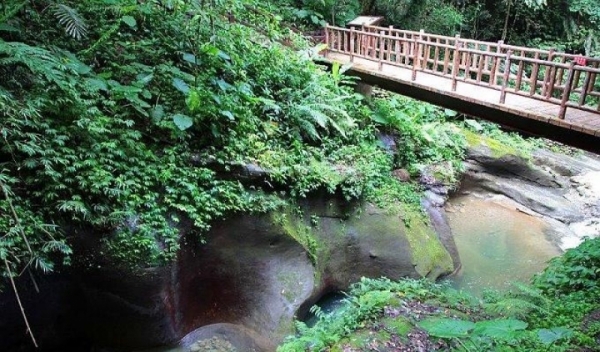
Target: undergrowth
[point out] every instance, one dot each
(558, 312)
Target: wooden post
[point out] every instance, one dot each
(494, 70)
(362, 42)
(446, 58)
(467, 66)
(455, 61)
(381, 49)
(422, 49)
(551, 82)
(584, 88)
(547, 74)
(480, 67)
(436, 54)
(534, 75)
(352, 38)
(391, 43)
(566, 92)
(327, 39)
(397, 45)
(506, 76)
(520, 73)
(405, 49)
(416, 54)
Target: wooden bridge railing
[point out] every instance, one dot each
(563, 79)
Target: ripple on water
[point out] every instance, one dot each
(497, 243)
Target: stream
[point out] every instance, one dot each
(498, 244)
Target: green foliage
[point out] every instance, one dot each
(550, 316)
(115, 117)
(576, 270)
(423, 135)
(365, 302)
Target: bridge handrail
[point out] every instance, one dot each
(566, 79)
(500, 43)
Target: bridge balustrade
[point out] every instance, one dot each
(563, 79)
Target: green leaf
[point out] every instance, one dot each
(191, 58)
(181, 85)
(96, 84)
(500, 329)
(548, 336)
(450, 113)
(227, 114)
(144, 78)
(157, 113)
(8, 28)
(130, 21)
(193, 100)
(446, 328)
(223, 85)
(474, 125)
(223, 55)
(183, 122)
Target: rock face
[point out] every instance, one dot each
(243, 287)
(562, 189)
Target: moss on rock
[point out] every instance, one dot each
(496, 147)
(430, 257)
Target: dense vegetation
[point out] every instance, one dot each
(116, 114)
(558, 312)
(569, 25)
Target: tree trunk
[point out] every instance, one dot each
(505, 30)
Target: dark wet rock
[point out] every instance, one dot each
(542, 184)
(561, 189)
(514, 167)
(254, 271)
(548, 201)
(388, 142)
(224, 338)
(433, 203)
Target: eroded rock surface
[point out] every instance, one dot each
(562, 189)
(243, 287)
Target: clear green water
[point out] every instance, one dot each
(497, 244)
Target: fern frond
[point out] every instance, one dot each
(70, 18)
(530, 293)
(316, 116)
(512, 307)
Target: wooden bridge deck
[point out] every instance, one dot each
(562, 104)
(587, 122)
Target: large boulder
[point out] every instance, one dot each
(255, 273)
(562, 189)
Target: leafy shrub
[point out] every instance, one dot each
(576, 270)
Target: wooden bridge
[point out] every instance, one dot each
(542, 92)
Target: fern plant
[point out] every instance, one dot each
(69, 17)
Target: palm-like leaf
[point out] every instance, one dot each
(68, 16)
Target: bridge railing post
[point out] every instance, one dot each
(546, 91)
(352, 38)
(495, 66)
(566, 91)
(455, 61)
(381, 48)
(327, 43)
(505, 77)
(416, 54)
